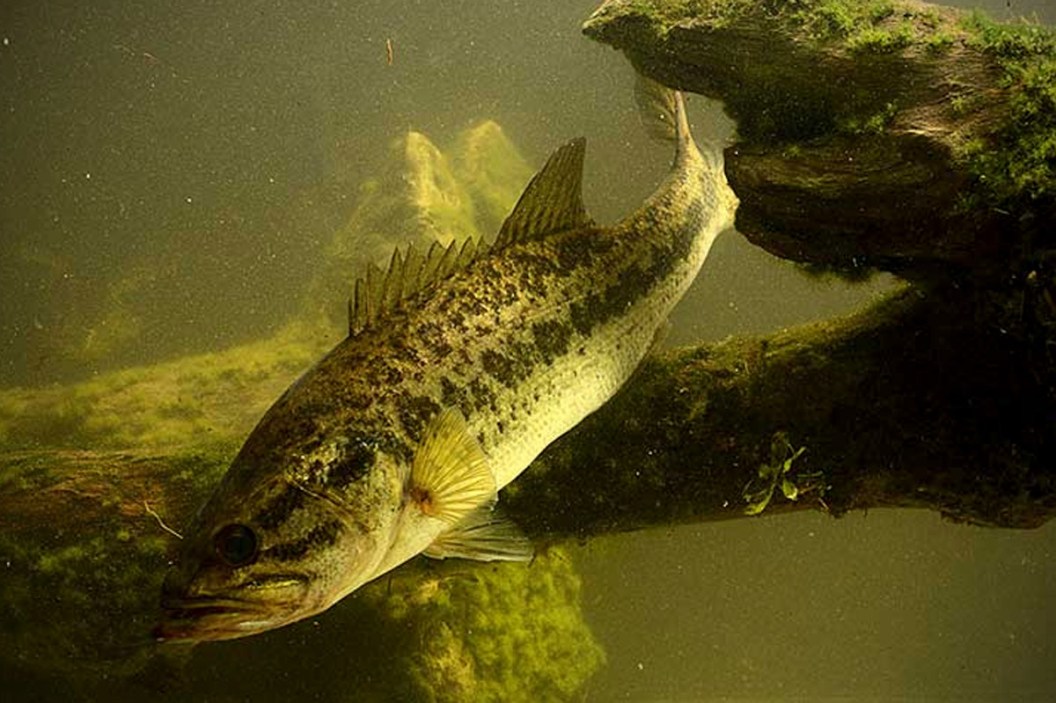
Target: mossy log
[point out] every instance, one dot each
(892, 407)
(893, 134)
(885, 134)
(899, 405)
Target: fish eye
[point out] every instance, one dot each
(236, 545)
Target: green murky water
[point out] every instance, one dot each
(171, 177)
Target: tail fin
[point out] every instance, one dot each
(662, 111)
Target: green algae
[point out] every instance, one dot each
(1014, 165)
(872, 26)
(444, 209)
(507, 632)
(882, 41)
(873, 124)
(1017, 164)
(425, 195)
(81, 607)
(493, 172)
(207, 400)
(939, 43)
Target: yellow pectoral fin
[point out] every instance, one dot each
(450, 476)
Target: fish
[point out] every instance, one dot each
(461, 365)
(389, 53)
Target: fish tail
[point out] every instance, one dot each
(663, 112)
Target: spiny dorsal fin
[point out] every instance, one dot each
(379, 292)
(368, 297)
(553, 200)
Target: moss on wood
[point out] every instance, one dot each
(940, 123)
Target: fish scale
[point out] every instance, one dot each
(461, 366)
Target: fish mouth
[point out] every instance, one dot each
(201, 619)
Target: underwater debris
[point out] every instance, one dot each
(161, 523)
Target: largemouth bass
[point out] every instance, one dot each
(461, 366)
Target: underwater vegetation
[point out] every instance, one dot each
(204, 400)
(495, 633)
(424, 195)
(777, 473)
(215, 398)
(1017, 165)
(508, 632)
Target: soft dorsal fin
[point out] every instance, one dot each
(553, 200)
(379, 292)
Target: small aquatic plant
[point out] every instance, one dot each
(776, 472)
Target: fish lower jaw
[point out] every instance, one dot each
(210, 628)
(212, 620)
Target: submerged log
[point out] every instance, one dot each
(896, 406)
(890, 407)
(901, 135)
(893, 407)
(893, 135)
